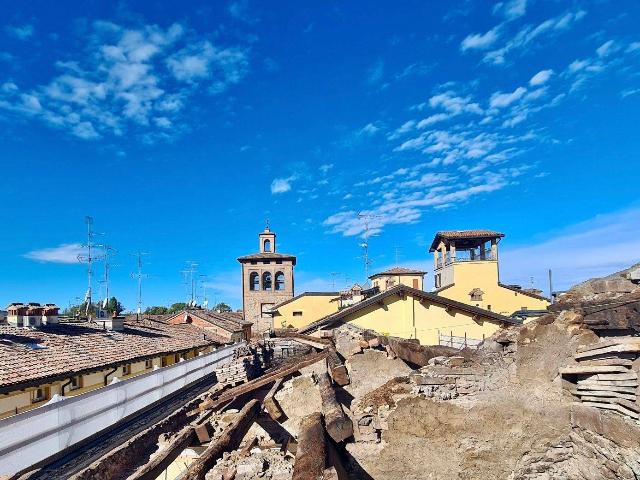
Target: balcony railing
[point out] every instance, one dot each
(465, 256)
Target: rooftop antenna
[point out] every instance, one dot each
(366, 217)
(108, 253)
(397, 249)
(203, 282)
(192, 268)
(89, 259)
(138, 275)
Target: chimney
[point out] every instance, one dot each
(113, 324)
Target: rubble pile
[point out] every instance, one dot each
(448, 377)
(606, 375)
(267, 463)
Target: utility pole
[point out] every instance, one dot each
(550, 287)
(89, 259)
(139, 276)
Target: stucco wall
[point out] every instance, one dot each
(408, 280)
(484, 275)
(409, 318)
(313, 307)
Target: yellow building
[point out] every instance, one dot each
(398, 276)
(406, 312)
(71, 359)
(466, 269)
(304, 309)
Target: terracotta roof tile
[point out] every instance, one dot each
(60, 350)
(399, 271)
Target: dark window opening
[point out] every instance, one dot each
(279, 281)
(266, 281)
(254, 281)
(297, 314)
(267, 245)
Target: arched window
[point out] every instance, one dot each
(266, 281)
(279, 281)
(267, 245)
(254, 281)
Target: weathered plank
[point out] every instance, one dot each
(624, 362)
(587, 394)
(165, 457)
(311, 453)
(338, 425)
(337, 369)
(271, 405)
(618, 348)
(229, 440)
(611, 406)
(606, 388)
(588, 369)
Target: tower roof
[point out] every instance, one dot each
(398, 271)
(465, 238)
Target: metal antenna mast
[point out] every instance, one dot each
(139, 276)
(333, 280)
(109, 252)
(88, 259)
(192, 268)
(203, 282)
(366, 217)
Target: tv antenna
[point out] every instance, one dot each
(108, 253)
(203, 283)
(367, 218)
(397, 251)
(138, 275)
(89, 258)
(192, 268)
(333, 280)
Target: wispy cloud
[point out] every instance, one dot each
(129, 80)
(281, 185)
(375, 72)
(480, 41)
(501, 100)
(540, 78)
(21, 32)
(530, 34)
(64, 253)
(511, 9)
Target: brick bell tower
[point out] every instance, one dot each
(267, 279)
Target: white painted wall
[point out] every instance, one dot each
(32, 436)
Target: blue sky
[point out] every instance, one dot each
(181, 126)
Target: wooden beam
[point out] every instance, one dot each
(337, 369)
(259, 382)
(271, 404)
(229, 440)
(338, 425)
(311, 453)
(165, 457)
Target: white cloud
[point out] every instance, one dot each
(281, 185)
(428, 180)
(326, 167)
(501, 100)
(606, 49)
(528, 34)
(124, 81)
(514, 9)
(479, 41)
(584, 241)
(64, 253)
(21, 32)
(541, 77)
(369, 129)
(454, 104)
(375, 72)
(430, 120)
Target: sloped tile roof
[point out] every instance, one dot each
(59, 351)
(399, 271)
(458, 234)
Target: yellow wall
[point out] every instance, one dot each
(407, 280)
(313, 307)
(484, 275)
(90, 381)
(408, 318)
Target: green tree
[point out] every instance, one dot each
(176, 307)
(156, 310)
(222, 307)
(113, 305)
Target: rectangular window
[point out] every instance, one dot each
(489, 307)
(524, 308)
(165, 361)
(297, 314)
(265, 310)
(253, 262)
(416, 283)
(177, 357)
(279, 262)
(266, 262)
(148, 364)
(40, 394)
(76, 383)
(126, 369)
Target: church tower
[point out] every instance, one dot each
(267, 279)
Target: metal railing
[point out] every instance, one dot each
(457, 341)
(465, 256)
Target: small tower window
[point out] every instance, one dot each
(266, 281)
(267, 245)
(279, 281)
(254, 281)
(476, 295)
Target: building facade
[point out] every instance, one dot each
(304, 309)
(398, 276)
(224, 327)
(267, 280)
(466, 269)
